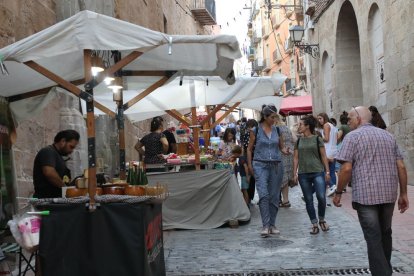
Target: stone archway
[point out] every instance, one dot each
(327, 83)
(348, 85)
(376, 58)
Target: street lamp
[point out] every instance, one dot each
(296, 35)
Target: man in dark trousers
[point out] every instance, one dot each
(370, 156)
(50, 173)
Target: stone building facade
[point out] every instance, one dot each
(366, 58)
(21, 18)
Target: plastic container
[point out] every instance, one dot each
(29, 227)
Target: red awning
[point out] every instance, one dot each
(296, 105)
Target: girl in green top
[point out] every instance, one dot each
(310, 166)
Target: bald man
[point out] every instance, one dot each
(370, 156)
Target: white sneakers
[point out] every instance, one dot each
(269, 231)
(265, 232)
(331, 190)
(274, 231)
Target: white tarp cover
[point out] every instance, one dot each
(194, 92)
(59, 48)
(209, 202)
(257, 103)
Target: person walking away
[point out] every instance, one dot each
(266, 167)
(329, 136)
(310, 165)
(371, 157)
(287, 161)
(243, 170)
(50, 173)
(377, 120)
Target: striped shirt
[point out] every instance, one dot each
(373, 153)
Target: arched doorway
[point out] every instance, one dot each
(348, 89)
(327, 84)
(377, 71)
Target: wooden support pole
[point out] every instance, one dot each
(121, 136)
(206, 129)
(103, 108)
(225, 115)
(196, 138)
(176, 115)
(90, 122)
(117, 66)
(39, 92)
(145, 93)
(211, 114)
(52, 76)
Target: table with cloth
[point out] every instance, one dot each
(116, 239)
(201, 199)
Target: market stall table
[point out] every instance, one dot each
(203, 199)
(116, 239)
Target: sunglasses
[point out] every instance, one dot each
(356, 113)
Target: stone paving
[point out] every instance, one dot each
(242, 250)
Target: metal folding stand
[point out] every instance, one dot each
(26, 261)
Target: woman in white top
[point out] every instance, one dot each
(329, 135)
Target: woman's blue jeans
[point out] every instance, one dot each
(310, 183)
(268, 176)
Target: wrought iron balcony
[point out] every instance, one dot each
(258, 64)
(204, 11)
(267, 65)
(277, 57)
(251, 54)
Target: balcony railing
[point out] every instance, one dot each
(275, 21)
(298, 10)
(204, 11)
(267, 65)
(265, 31)
(251, 54)
(250, 32)
(257, 36)
(276, 56)
(258, 64)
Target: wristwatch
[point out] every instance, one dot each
(338, 192)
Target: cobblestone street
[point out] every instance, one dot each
(242, 250)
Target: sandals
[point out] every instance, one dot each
(315, 230)
(324, 226)
(284, 204)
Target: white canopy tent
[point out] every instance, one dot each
(59, 48)
(257, 103)
(194, 92)
(61, 55)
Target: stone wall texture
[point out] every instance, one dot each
(386, 68)
(21, 18)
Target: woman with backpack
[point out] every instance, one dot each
(266, 167)
(310, 166)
